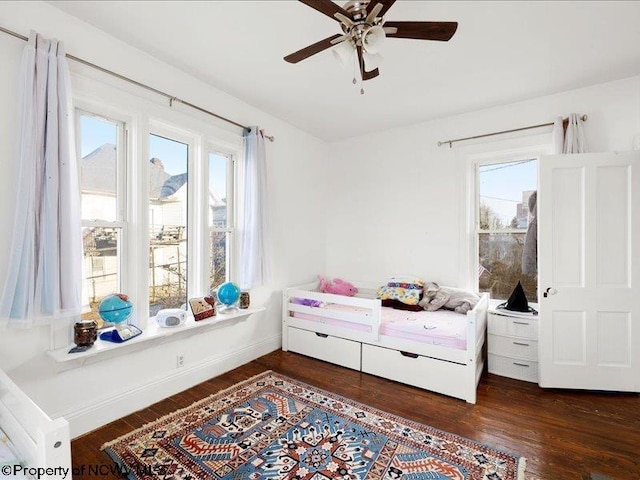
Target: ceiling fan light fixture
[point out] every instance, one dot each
(372, 39)
(364, 31)
(344, 52)
(373, 60)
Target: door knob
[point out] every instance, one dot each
(549, 291)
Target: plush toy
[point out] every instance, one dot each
(338, 287)
(307, 302)
(436, 297)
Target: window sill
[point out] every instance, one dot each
(149, 334)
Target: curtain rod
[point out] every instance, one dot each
(549, 124)
(171, 98)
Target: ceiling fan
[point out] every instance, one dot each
(364, 28)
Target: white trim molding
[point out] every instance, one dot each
(85, 418)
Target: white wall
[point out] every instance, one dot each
(105, 389)
(397, 199)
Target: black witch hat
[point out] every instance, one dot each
(518, 301)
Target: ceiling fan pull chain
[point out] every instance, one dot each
(355, 59)
(361, 65)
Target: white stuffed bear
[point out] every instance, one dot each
(436, 297)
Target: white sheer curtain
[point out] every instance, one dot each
(44, 274)
(573, 141)
(254, 268)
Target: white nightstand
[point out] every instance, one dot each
(513, 344)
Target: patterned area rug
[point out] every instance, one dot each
(273, 427)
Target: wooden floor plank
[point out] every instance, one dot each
(564, 435)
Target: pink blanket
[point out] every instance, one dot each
(442, 327)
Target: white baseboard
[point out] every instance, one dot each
(90, 417)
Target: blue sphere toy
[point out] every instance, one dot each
(115, 308)
(228, 293)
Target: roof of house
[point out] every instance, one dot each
(98, 176)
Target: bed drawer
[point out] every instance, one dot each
(325, 347)
(514, 368)
(513, 326)
(513, 347)
(416, 370)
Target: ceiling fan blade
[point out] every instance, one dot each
(341, 38)
(374, 13)
(365, 75)
(327, 7)
(317, 47)
(345, 20)
(386, 5)
(441, 31)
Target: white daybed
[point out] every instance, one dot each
(440, 351)
(29, 438)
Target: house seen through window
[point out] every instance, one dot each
(503, 216)
(168, 226)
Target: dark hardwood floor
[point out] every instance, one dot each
(563, 434)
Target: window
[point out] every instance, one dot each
(158, 196)
(168, 225)
(221, 218)
(102, 189)
(502, 219)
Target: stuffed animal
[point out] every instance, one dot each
(338, 287)
(436, 297)
(307, 302)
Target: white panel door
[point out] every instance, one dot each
(589, 270)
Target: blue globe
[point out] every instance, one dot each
(115, 308)
(228, 293)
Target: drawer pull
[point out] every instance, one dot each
(521, 323)
(521, 344)
(323, 335)
(409, 354)
(521, 364)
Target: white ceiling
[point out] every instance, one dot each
(502, 52)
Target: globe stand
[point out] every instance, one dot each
(228, 308)
(121, 333)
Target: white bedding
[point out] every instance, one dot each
(442, 327)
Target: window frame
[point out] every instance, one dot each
(232, 154)
(171, 132)
(143, 115)
(122, 222)
(474, 156)
(505, 231)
